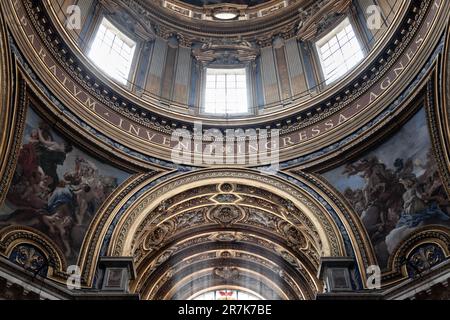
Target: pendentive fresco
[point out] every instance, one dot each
(395, 188)
(56, 188)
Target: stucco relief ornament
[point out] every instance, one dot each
(225, 215)
(163, 206)
(164, 257)
(159, 234)
(29, 258)
(424, 258)
(190, 219)
(227, 237)
(261, 218)
(227, 273)
(293, 235)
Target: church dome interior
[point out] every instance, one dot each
(224, 150)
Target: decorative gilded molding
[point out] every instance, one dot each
(320, 14)
(440, 236)
(117, 227)
(359, 237)
(121, 244)
(12, 146)
(6, 115)
(438, 111)
(252, 208)
(255, 23)
(91, 250)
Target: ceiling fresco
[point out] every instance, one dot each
(209, 2)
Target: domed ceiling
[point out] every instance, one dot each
(208, 2)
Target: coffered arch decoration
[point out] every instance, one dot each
(281, 225)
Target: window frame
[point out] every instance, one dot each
(325, 37)
(214, 291)
(249, 89)
(134, 61)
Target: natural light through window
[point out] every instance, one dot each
(339, 51)
(112, 51)
(226, 295)
(226, 91)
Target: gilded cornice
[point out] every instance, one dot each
(256, 24)
(11, 98)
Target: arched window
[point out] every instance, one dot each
(226, 294)
(226, 91)
(339, 51)
(112, 51)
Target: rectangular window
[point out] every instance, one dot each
(226, 91)
(112, 51)
(339, 51)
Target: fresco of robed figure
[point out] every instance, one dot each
(56, 188)
(395, 188)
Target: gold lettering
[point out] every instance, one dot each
(42, 54)
(373, 96)
(342, 118)
(286, 141)
(410, 55)
(150, 136)
(303, 135)
(166, 141)
(31, 38)
(419, 40)
(316, 131)
(385, 84)
(64, 80)
(198, 148)
(135, 130)
(53, 69)
(24, 21)
(120, 123)
(436, 4)
(253, 148)
(91, 104)
(75, 92)
(399, 69)
(184, 146)
(329, 125)
(239, 148)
